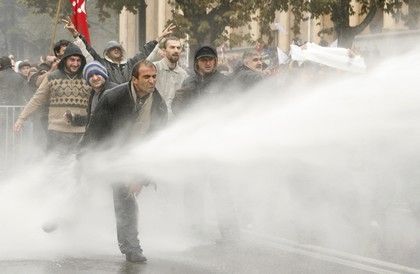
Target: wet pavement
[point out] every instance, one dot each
(216, 258)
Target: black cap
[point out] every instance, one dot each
(205, 51)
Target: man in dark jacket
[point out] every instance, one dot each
(131, 111)
(11, 84)
(207, 82)
(204, 81)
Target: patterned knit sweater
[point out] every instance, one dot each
(61, 93)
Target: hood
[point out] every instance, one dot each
(113, 44)
(72, 50)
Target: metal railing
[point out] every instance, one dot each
(12, 144)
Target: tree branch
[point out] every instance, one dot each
(369, 17)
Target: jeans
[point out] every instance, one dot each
(126, 211)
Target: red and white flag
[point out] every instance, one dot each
(79, 18)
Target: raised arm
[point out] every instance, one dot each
(151, 49)
(76, 35)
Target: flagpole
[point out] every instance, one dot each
(57, 14)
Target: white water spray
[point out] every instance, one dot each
(333, 165)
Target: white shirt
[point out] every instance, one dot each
(169, 81)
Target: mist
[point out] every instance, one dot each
(332, 165)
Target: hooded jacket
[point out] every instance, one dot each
(61, 92)
(197, 85)
(72, 50)
(119, 72)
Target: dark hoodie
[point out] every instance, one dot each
(72, 50)
(197, 85)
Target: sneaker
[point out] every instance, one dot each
(135, 257)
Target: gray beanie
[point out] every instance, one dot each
(94, 68)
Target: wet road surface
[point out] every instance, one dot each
(216, 258)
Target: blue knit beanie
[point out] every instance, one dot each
(94, 68)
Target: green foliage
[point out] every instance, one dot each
(48, 6)
(340, 12)
(205, 21)
(32, 29)
(191, 15)
(103, 6)
(412, 18)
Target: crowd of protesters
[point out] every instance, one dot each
(79, 99)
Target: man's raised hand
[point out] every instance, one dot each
(68, 24)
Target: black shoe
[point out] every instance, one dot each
(135, 257)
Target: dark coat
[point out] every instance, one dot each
(119, 73)
(11, 88)
(245, 77)
(81, 120)
(196, 86)
(116, 113)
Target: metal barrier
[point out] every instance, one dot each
(12, 144)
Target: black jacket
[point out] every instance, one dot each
(245, 77)
(11, 88)
(81, 120)
(196, 86)
(116, 113)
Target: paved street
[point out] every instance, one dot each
(246, 257)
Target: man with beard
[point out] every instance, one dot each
(63, 89)
(114, 57)
(250, 72)
(170, 75)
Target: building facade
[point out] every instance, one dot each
(158, 12)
